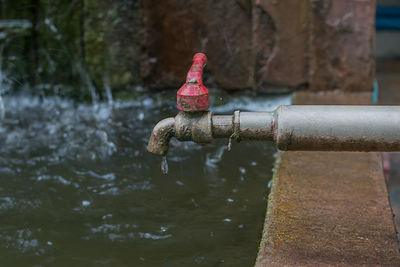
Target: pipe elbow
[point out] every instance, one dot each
(161, 136)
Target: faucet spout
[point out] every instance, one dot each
(160, 137)
(203, 127)
(186, 126)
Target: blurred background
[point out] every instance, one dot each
(82, 83)
(126, 46)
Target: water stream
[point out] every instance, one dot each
(78, 188)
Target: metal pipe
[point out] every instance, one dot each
(256, 126)
(222, 126)
(317, 128)
(338, 128)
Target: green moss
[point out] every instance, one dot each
(112, 43)
(75, 44)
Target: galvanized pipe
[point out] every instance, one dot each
(317, 128)
(222, 126)
(338, 128)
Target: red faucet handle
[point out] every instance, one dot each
(193, 95)
(195, 74)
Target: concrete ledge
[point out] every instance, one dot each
(329, 208)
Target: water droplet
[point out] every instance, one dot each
(85, 203)
(164, 165)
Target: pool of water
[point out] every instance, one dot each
(78, 188)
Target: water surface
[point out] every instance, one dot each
(78, 188)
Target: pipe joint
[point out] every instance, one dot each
(194, 126)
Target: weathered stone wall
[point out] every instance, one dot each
(319, 44)
(265, 45)
(176, 29)
(341, 45)
(281, 43)
(315, 44)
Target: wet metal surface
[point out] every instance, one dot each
(338, 128)
(78, 188)
(295, 127)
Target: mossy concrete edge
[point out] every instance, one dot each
(270, 206)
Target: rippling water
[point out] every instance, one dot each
(78, 188)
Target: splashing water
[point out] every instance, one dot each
(2, 85)
(164, 165)
(89, 84)
(108, 90)
(2, 112)
(69, 170)
(212, 159)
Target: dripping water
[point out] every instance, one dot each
(108, 90)
(89, 84)
(164, 165)
(2, 87)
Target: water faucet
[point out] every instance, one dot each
(296, 127)
(194, 122)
